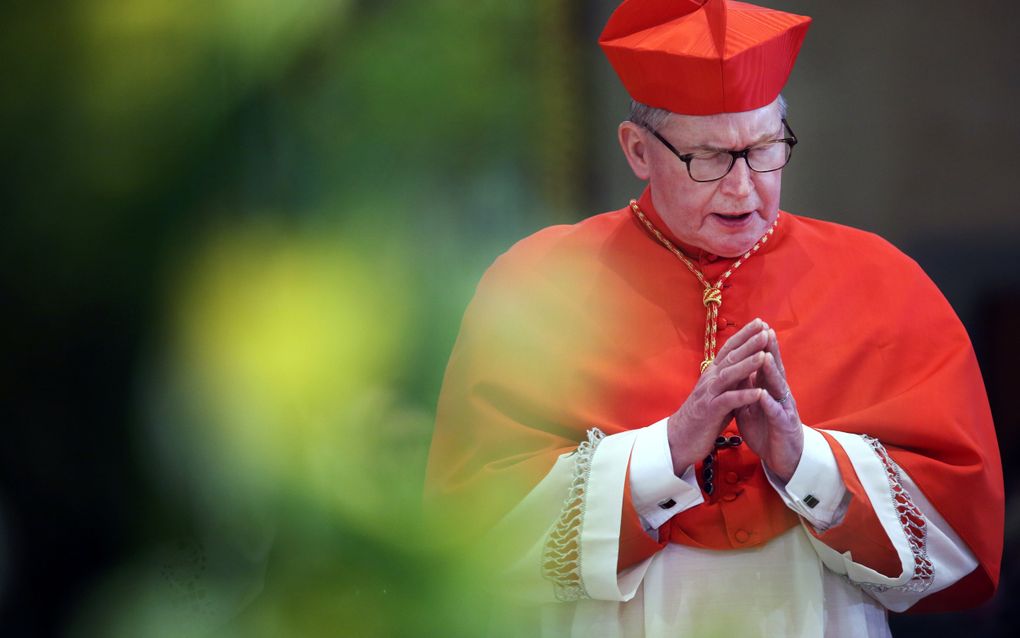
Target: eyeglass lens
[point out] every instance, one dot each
(706, 167)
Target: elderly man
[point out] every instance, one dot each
(700, 413)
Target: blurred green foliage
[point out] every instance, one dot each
(276, 211)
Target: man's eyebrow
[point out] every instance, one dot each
(766, 137)
(707, 147)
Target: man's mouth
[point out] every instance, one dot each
(733, 218)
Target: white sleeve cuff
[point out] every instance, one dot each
(815, 491)
(657, 493)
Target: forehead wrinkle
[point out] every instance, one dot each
(709, 146)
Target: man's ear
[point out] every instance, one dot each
(634, 142)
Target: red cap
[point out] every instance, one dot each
(701, 57)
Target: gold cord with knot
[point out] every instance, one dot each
(712, 297)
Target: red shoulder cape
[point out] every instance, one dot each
(596, 325)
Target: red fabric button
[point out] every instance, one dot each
(732, 478)
(722, 323)
(741, 536)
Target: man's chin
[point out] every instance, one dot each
(736, 246)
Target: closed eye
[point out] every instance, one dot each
(707, 155)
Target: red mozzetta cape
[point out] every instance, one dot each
(597, 325)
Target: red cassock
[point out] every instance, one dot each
(596, 325)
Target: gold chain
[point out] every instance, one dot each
(712, 297)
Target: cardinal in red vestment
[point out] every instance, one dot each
(701, 413)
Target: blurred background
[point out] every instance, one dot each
(238, 236)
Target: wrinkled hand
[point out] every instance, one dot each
(771, 426)
(724, 388)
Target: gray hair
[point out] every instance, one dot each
(654, 118)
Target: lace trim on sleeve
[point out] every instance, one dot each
(561, 556)
(915, 527)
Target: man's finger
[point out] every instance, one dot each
(773, 409)
(756, 342)
(775, 382)
(731, 375)
(773, 347)
(749, 330)
(734, 399)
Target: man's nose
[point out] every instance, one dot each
(738, 180)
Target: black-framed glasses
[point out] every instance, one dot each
(710, 166)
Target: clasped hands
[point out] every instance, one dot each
(746, 381)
